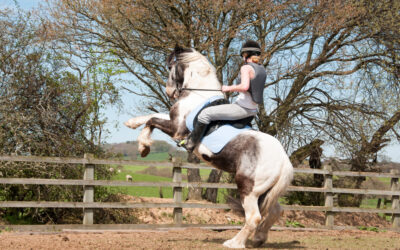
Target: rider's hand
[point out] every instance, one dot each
(225, 88)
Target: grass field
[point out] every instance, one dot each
(154, 157)
(137, 175)
(141, 191)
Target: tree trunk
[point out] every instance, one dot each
(302, 153)
(193, 175)
(211, 193)
(233, 193)
(315, 163)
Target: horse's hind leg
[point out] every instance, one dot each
(261, 234)
(253, 218)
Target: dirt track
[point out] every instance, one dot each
(198, 239)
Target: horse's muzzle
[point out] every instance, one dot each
(171, 92)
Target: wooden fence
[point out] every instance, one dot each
(178, 205)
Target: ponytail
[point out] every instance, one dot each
(255, 59)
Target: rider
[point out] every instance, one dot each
(251, 88)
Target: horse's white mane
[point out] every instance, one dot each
(199, 72)
(196, 56)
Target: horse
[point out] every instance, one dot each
(261, 166)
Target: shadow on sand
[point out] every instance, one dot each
(294, 244)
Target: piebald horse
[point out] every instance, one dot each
(261, 166)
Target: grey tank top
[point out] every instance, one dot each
(256, 88)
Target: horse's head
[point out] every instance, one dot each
(187, 67)
(176, 71)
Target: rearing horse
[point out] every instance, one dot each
(261, 166)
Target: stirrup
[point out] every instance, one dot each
(184, 144)
(181, 143)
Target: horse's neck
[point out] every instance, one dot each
(194, 99)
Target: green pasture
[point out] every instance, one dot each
(159, 156)
(162, 156)
(383, 183)
(138, 176)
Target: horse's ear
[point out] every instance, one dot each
(178, 49)
(170, 60)
(172, 57)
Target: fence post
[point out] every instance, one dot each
(177, 191)
(394, 183)
(328, 196)
(88, 195)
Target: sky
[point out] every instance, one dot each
(120, 133)
(24, 4)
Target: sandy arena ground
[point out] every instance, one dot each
(208, 239)
(198, 239)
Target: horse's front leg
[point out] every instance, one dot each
(136, 122)
(144, 138)
(159, 121)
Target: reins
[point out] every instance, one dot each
(180, 90)
(199, 89)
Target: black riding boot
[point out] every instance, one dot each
(196, 135)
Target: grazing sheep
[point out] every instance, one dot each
(111, 170)
(128, 177)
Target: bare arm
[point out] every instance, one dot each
(247, 73)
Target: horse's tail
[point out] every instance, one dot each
(271, 196)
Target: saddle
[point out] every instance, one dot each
(218, 133)
(214, 125)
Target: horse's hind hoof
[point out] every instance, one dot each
(257, 243)
(259, 239)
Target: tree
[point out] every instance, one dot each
(46, 109)
(327, 62)
(141, 34)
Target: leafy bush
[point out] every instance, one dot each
(304, 198)
(349, 200)
(46, 110)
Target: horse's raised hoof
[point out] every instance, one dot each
(133, 123)
(233, 244)
(144, 151)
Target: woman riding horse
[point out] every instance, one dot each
(251, 88)
(261, 166)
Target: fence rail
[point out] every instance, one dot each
(89, 183)
(32, 181)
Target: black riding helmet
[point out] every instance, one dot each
(251, 48)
